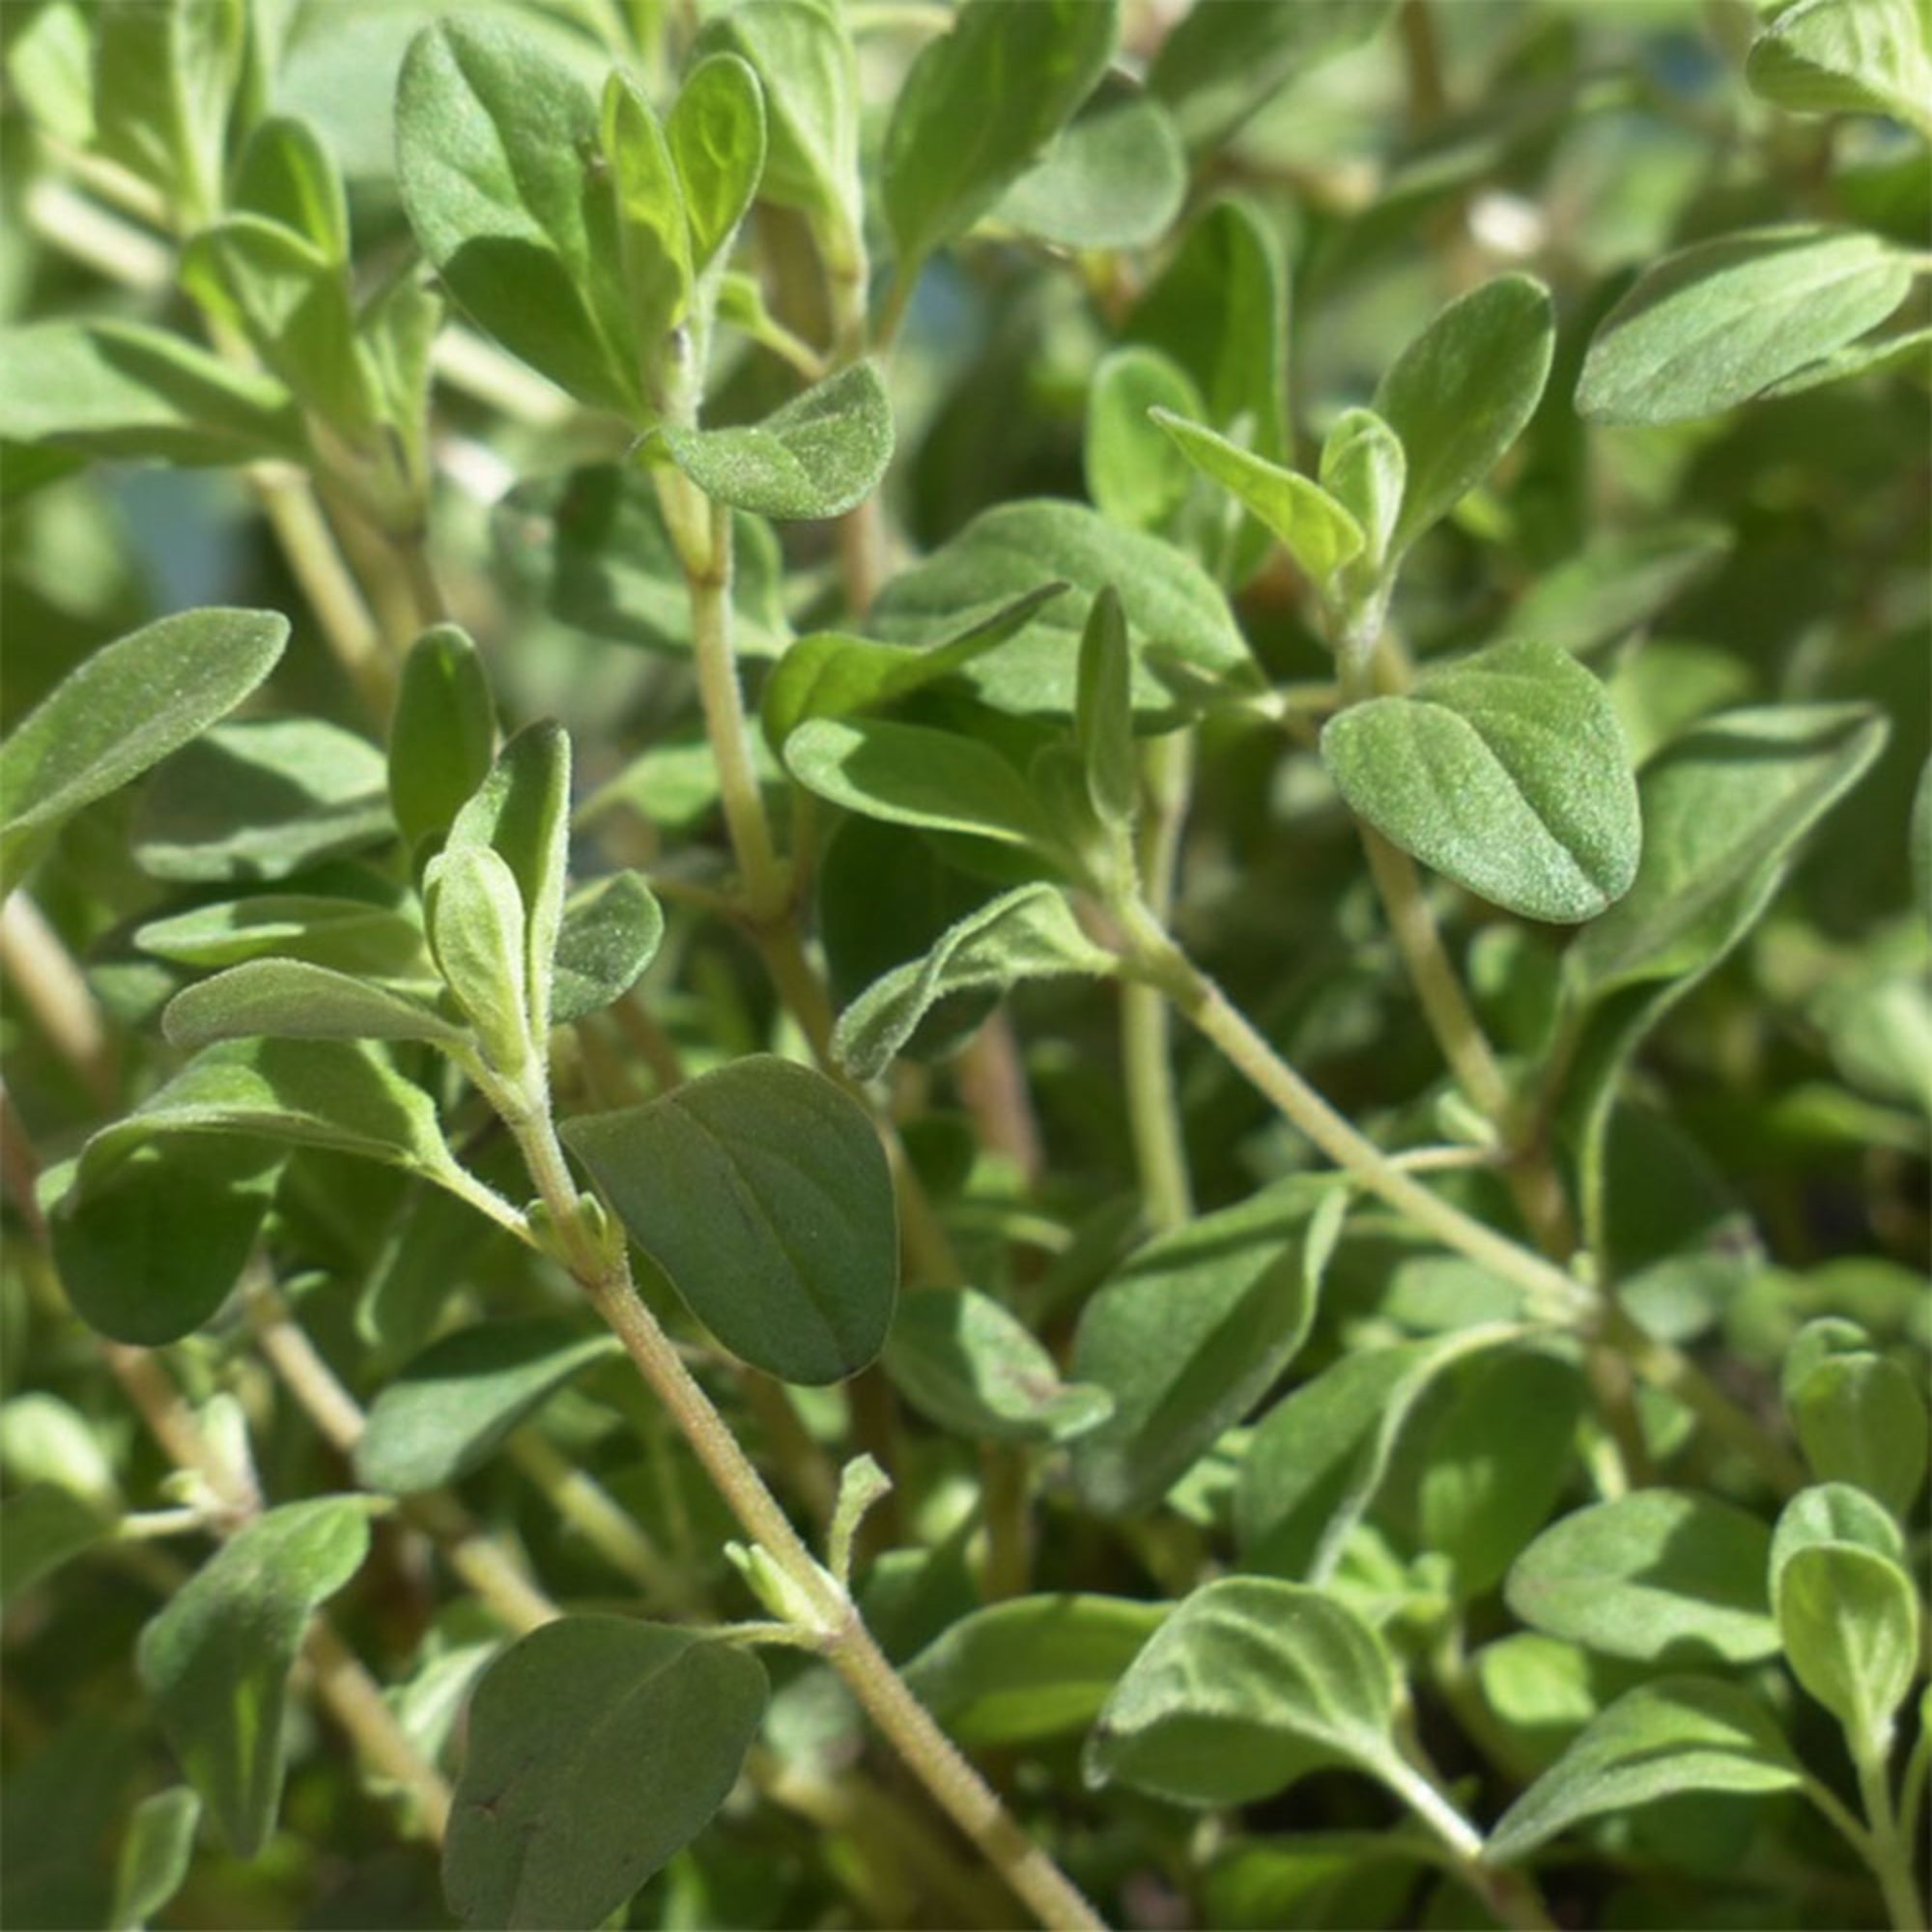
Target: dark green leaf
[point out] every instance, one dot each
(129, 705)
(1617, 584)
(1507, 771)
(598, 1747)
(1846, 57)
(763, 1193)
(216, 1659)
(40, 1528)
(1103, 719)
(287, 999)
(154, 1857)
(717, 135)
(448, 1411)
(444, 734)
(610, 933)
(1848, 1618)
(1115, 179)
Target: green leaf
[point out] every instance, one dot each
(126, 709)
(1830, 1514)
(653, 232)
(149, 1247)
(829, 675)
(1029, 933)
(1678, 1734)
(442, 736)
(1845, 57)
(762, 1191)
(1188, 1336)
(1848, 1618)
(978, 104)
(1859, 1417)
(968, 1365)
(598, 1747)
(1506, 772)
(154, 1857)
(1919, 841)
(1721, 320)
(1616, 584)
(498, 163)
(717, 135)
(1463, 392)
(1103, 719)
(216, 1659)
(1171, 605)
(912, 774)
(450, 1409)
(610, 933)
(42, 1527)
(819, 456)
(1659, 1574)
(356, 936)
(1317, 1458)
(1135, 475)
(1317, 531)
(287, 999)
(120, 389)
(477, 930)
(288, 174)
(1115, 178)
(1722, 808)
(1032, 1667)
(262, 798)
(1901, 348)
(1366, 472)
(1250, 1685)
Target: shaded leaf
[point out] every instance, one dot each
(1135, 475)
(444, 734)
(287, 999)
(351, 935)
(1115, 179)
(154, 1856)
(42, 1527)
(610, 933)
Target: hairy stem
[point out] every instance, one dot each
(356, 1702)
(1891, 1856)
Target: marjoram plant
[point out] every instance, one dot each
(931, 1072)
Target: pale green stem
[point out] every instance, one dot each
(1918, 1766)
(1503, 1892)
(1888, 1854)
(583, 1502)
(358, 1706)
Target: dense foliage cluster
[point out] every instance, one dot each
(965, 963)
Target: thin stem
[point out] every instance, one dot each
(1508, 1896)
(584, 1502)
(38, 971)
(359, 1707)
(1887, 1853)
(1912, 1788)
(1006, 1484)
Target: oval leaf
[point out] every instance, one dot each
(1848, 1618)
(287, 999)
(610, 933)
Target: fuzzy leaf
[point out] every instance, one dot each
(1859, 1419)
(1103, 719)
(475, 914)
(717, 136)
(653, 232)
(1365, 470)
(442, 736)
(1135, 475)
(1848, 1618)
(610, 933)
(288, 999)
(1845, 57)
(1115, 179)
(355, 936)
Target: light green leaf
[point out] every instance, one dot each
(1828, 1513)
(287, 175)
(977, 107)
(1190, 1334)
(262, 798)
(1616, 584)
(450, 1409)
(1859, 1417)
(717, 135)
(598, 1747)
(819, 456)
(1919, 841)
(1721, 320)
(48, 57)
(1249, 1685)
(1901, 348)
(966, 1364)
(1135, 475)
(42, 1527)
(475, 914)
(126, 709)
(1659, 1574)
(154, 1857)
(356, 936)
(1678, 1734)
(1103, 719)
(610, 933)
(1171, 605)
(912, 774)
(442, 736)
(122, 389)
(1115, 179)
(1846, 57)
(829, 675)
(1463, 392)
(498, 163)
(288, 999)
(1317, 531)
(1507, 771)
(216, 1659)
(1032, 1667)
(762, 1191)
(1848, 1618)
(1029, 933)
(653, 233)
(1365, 470)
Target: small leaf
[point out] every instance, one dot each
(125, 709)
(1833, 1513)
(42, 1527)
(355, 936)
(154, 1857)
(978, 104)
(1135, 475)
(1616, 584)
(444, 734)
(1248, 1686)
(1103, 720)
(1115, 178)
(1718, 323)
(610, 933)
(1188, 1336)
(1317, 531)
(1848, 1618)
(819, 456)
(1678, 1734)
(216, 1659)
(963, 1362)
(1029, 933)
(286, 999)
(1507, 771)
(635, 1729)
(288, 174)
(717, 136)
(1859, 1417)
(1658, 1575)
(1032, 1667)
(164, 82)
(1365, 470)
(449, 1409)
(475, 919)
(653, 232)
(1463, 392)
(1845, 57)
(763, 1192)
